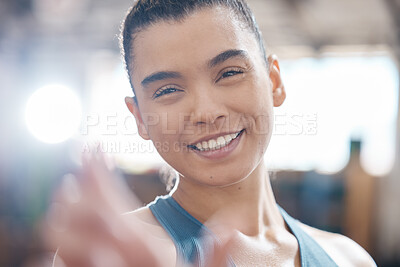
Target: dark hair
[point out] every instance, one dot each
(147, 12)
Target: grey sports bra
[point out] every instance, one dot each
(195, 243)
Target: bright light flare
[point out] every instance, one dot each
(53, 114)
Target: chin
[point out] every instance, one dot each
(217, 179)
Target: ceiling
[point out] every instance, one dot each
(310, 24)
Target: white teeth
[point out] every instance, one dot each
(228, 138)
(221, 141)
(204, 145)
(214, 144)
(199, 146)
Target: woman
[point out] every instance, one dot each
(204, 95)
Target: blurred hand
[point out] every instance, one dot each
(86, 227)
(86, 224)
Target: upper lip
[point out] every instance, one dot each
(213, 136)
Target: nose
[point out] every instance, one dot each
(208, 107)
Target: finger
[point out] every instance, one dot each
(102, 182)
(72, 250)
(225, 235)
(104, 249)
(87, 231)
(96, 254)
(220, 257)
(137, 243)
(90, 205)
(68, 191)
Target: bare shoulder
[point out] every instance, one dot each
(160, 238)
(343, 250)
(143, 214)
(149, 222)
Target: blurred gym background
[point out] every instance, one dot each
(335, 151)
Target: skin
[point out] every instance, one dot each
(235, 94)
(206, 103)
(87, 224)
(230, 194)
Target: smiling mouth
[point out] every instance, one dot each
(214, 144)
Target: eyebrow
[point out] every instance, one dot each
(161, 75)
(218, 59)
(224, 56)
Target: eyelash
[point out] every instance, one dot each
(170, 89)
(230, 73)
(165, 90)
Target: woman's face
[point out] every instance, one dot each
(205, 96)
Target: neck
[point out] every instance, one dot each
(248, 206)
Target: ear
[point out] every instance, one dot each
(278, 89)
(134, 109)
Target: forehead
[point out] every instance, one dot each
(173, 45)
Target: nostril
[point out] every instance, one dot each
(207, 114)
(212, 118)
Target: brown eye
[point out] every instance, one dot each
(230, 73)
(165, 91)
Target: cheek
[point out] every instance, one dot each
(164, 126)
(255, 102)
(257, 106)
